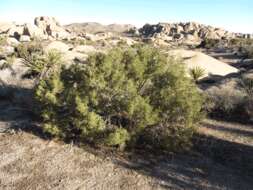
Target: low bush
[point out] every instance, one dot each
(247, 84)
(115, 97)
(230, 103)
(210, 43)
(225, 102)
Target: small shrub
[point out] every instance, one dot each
(247, 84)
(210, 43)
(226, 103)
(196, 73)
(115, 96)
(40, 63)
(248, 51)
(26, 50)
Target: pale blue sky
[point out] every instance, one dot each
(233, 15)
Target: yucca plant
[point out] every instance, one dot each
(197, 73)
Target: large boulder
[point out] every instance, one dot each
(34, 31)
(51, 27)
(211, 66)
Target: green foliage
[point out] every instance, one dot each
(230, 103)
(40, 63)
(115, 96)
(119, 137)
(196, 73)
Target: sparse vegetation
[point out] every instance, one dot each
(247, 84)
(115, 96)
(225, 102)
(2, 40)
(228, 103)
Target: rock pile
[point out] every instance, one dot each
(189, 33)
(43, 28)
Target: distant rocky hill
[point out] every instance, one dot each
(93, 28)
(190, 32)
(47, 28)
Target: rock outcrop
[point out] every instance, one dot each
(43, 28)
(51, 27)
(188, 33)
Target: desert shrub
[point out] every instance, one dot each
(247, 85)
(232, 103)
(248, 51)
(226, 103)
(244, 46)
(210, 43)
(196, 73)
(26, 50)
(115, 96)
